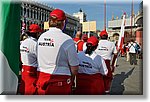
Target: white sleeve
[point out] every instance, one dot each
(84, 46)
(35, 51)
(72, 55)
(103, 67)
(34, 48)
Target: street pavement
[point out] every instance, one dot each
(127, 80)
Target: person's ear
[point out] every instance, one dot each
(63, 25)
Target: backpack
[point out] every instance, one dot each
(136, 47)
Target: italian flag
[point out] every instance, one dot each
(121, 37)
(9, 46)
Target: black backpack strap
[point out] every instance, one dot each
(133, 46)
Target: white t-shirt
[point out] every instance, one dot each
(131, 47)
(92, 64)
(106, 49)
(28, 52)
(56, 52)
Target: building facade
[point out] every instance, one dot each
(87, 27)
(37, 13)
(34, 12)
(134, 31)
(73, 25)
(114, 27)
(139, 23)
(81, 15)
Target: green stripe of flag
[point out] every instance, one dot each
(9, 36)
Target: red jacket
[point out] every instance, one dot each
(79, 44)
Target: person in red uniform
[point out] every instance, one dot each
(106, 50)
(78, 41)
(57, 58)
(92, 67)
(29, 60)
(84, 38)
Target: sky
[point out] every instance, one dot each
(94, 9)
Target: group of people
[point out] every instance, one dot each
(133, 50)
(55, 64)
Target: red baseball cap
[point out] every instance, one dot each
(93, 40)
(34, 28)
(59, 14)
(103, 33)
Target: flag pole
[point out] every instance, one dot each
(131, 17)
(121, 37)
(104, 14)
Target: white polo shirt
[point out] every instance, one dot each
(28, 52)
(131, 47)
(56, 52)
(92, 64)
(106, 49)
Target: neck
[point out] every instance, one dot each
(89, 52)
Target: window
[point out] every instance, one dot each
(39, 15)
(24, 12)
(31, 13)
(34, 14)
(27, 12)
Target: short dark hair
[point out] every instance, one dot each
(104, 37)
(32, 34)
(53, 22)
(132, 40)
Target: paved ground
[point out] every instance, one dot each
(127, 78)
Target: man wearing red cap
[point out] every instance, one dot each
(91, 69)
(78, 42)
(106, 49)
(29, 60)
(57, 58)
